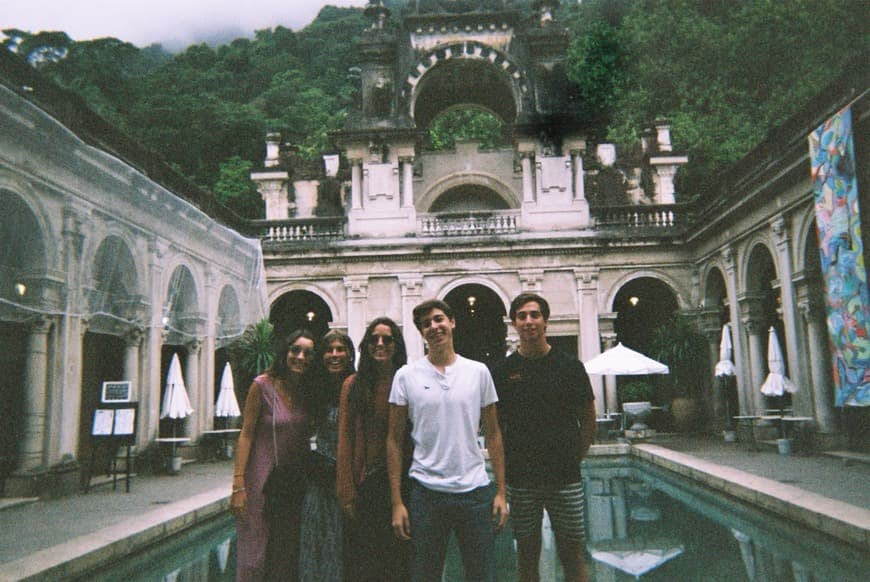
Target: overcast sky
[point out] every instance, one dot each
(173, 23)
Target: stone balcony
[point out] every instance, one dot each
(632, 220)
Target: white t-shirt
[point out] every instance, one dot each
(445, 412)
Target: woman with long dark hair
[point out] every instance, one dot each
(373, 552)
(322, 538)
(275, 432)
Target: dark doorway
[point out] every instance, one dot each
(13, 356)
(102, 361)
(480, 328)
(642, 306)
(300, 310)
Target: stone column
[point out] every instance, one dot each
(133, 341)
(586, 280)
(740, 356)
(355, 184)
(801, 401)
(411, 286)
(608, 340)
(757, 331)
(579, 186)
(194, 389)
(715, 403)
(820, 365)
(407, 181)
(32, 448)
(357, 289)
(528, 183)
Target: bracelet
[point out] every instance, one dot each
(238, 490)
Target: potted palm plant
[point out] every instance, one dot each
(684, 349)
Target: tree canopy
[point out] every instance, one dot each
(722, 72)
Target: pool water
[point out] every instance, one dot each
(642, 523)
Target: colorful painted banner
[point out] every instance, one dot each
(835, 185)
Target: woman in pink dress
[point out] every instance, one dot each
(275, 430)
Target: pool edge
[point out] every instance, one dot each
(78, 556)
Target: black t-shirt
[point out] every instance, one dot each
(538, 404)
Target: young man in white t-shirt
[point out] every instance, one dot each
(445, 396)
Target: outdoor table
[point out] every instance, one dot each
(746, 431)
(172, 441)
(222, 434)
(799, 424)
(774, 419)
(604, 427)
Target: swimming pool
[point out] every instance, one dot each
(642, 520)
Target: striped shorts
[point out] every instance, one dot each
(565, 506)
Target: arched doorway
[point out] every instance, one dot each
(763, 302)
(300, 310)
(480, 328)
(642, 305)
(22, 263)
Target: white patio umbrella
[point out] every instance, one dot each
(227, 406)
(776, 383)
(725, 367)
(622, 361)
(176, 404)
(635, 557)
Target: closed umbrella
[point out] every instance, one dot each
(622, 361)
(176, 404)
(227, 406)
(725, 367)
(724, 370)
(776, 383)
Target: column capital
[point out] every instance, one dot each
(586, 278)
(780, 229)
(194, 346)
(531, 279)
(728, 258)
(357, 286)
(41, 324)
(411, 285)
(406, 159)
(133, 336)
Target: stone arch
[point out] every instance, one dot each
(113, 284)
(24, 245)
(714, 289)
(27, 195)
(643, 304)
(480, 308)
(277, 292)
(301, 307)
(181, 313)
(483, 282)
(480, 179)
(679, 294)
(807, 242)
(432, 70)
(228, 323)
(759, 263)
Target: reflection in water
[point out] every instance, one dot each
(642, 523)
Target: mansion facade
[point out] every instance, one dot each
(114, 264)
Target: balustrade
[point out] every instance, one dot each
(470, 224)
(658, 216)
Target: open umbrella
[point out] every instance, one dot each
(725, 367)
(176, 404)
(227, 406)
(776, 383)
(636, 557)
(622, 361)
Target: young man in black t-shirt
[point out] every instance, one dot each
(547, 412)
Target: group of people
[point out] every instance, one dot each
(381, 464)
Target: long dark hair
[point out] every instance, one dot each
(362, 392)
(278, 369)
(327, 391)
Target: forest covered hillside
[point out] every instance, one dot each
(723, 72)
